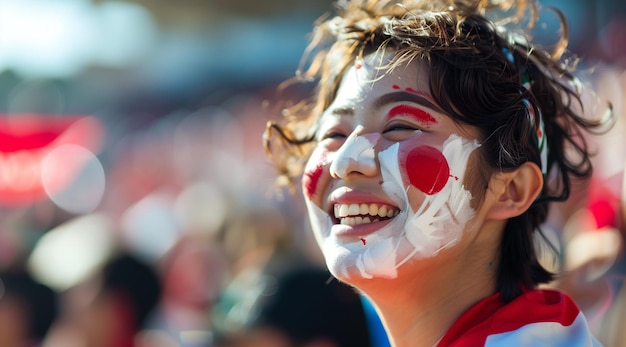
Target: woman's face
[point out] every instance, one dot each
(385, 183)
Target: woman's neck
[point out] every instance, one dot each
(418, 308)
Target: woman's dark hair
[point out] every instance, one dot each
(483, 72)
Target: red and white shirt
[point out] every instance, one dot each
(535, 318)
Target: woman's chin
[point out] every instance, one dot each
(357, 261)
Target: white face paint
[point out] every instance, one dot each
(374, 166)
(438, 222)
(356, 149)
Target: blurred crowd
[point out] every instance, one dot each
(189, 245)
(155, 221)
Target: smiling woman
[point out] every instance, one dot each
(410, 143)
(425, 155)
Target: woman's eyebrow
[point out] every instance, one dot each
(343, 111)
(406, 96)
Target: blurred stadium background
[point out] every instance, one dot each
(136, 125)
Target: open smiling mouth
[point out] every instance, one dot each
(356, 214)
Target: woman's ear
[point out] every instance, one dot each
(514, 191)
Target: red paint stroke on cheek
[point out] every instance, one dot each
(363, 241)
(311, 177)
(419, 115)
(395, 86)
(427, 169)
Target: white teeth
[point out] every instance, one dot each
(356, 220)
(382, 211)
(353, 209)
(364, 209)
(355, 214)
(373, 210)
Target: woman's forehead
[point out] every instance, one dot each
(373, 76)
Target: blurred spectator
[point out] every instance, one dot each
(109, 309)
(193, 272)
(590, 228)
(27, 310)
(278, 296)
(300, 306)
(254, 234)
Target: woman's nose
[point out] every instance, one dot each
(356, 156)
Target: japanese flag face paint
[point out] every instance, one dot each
(440, 220)
(385, 183)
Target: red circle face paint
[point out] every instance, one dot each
(427, 169)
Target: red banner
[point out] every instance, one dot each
(26, 141)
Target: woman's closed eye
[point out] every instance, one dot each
(336, 135)
(408, 118)
(401, 127)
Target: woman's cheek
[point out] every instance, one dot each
(313, 175)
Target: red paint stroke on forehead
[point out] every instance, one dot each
(427, 169)
(419, 115)
(311, 177)
(417, 92)
(413, 91)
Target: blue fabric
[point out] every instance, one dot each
(378, 335)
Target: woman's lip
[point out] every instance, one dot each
(358, 231)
